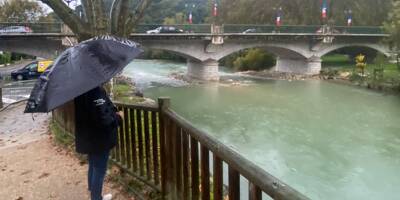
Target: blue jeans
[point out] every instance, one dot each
(97, 171)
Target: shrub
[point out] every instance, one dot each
(252, 59)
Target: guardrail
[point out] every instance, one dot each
(35, 27)
(311, 29)
(206, 28)
(166, 152)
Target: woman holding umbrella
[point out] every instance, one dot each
(96, 126)
(77, 74)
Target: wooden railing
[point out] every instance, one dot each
(166, 152)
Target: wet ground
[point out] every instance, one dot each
(33, 167)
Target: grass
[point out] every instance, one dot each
(124, 93)
(333, 65)
(61, 137)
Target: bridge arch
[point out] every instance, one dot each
(279, 50)
(378, 47)
(48, 48)
(172, 51)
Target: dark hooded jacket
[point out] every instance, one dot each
(97, 122)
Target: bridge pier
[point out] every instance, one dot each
(207, 70)
(309, 66)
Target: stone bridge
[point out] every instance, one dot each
(295, 52)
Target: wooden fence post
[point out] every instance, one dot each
(1, 95)
(163, 104)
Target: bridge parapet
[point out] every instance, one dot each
(36, 27)
(226, 28)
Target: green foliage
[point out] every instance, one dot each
(304, 12)
(392, 25)
(61, 136)
(20, 10)
(176, 11)
(5, 58)
(179, 18)
(252, 59)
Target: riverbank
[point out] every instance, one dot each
(346, 77)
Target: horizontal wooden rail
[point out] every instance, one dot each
(237, 163)
(163, 150)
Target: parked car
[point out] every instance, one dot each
(15, 29)
(250, 30)
(165, 29)
(31, 71)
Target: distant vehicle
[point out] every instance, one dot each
(15, 29)
(31, 71)
(251, 30)
(165, 29)
(327, 30)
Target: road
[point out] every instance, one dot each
(6, 71)
(17, 90)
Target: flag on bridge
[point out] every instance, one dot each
(349, 17)
(324, 7)
(279, 17)
(215, 10)
(190, 18)
(349, 20)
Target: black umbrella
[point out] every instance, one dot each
(80, 69)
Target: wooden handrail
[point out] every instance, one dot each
(268, 183)
(166, 152)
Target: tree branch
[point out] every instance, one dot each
(69, 18)
(123, 17)
(88, 8)
(100, 20)
(115, 10)
(136, 15)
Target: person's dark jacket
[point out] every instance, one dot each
(96, 122)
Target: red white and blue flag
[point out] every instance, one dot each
(278, 21)
(324, 10)
(279, 17)
(215, 10)
(349, 20)
(190, 18)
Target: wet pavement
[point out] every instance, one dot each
(17, 128)
(34, 167)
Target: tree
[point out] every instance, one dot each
(20, 11)
(116, 17)
(393, 25)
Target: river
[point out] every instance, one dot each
(326, 140)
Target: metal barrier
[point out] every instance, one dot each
(206, 28)
(35, 27)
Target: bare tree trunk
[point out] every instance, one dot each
(119, 22)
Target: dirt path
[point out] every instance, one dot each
(34, 167)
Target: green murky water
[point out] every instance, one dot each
(326, 140)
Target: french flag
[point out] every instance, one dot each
(190, 18)
(324, 9)
(215, 10)
(349, 21)
(278, 20)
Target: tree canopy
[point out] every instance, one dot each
(117, 17)
(20, 10)
(304, 12)
(393, 25)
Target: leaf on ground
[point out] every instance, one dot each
(44, 175)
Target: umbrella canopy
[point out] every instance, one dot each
(80, 69)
